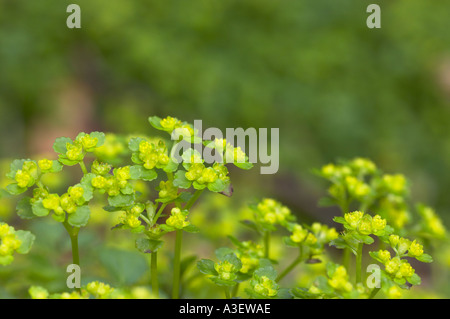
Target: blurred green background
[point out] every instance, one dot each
(335, 88)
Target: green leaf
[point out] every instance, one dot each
(267, 271)
(425, 258)
(39, 209)
(302, 293)
(191, 229)
(27, 239)
(56, 167)
(126, 267)
(155, 121)
(234, 260)
(100, 137)
(223, 283)
(145, 245)
(414, 280)
(14, 167)
(67, 162)
(181, 181)
(340, 220)
(80, 217)
(127, 190)
(222, 252)
(134, 142)
(14, 189)
(60, 144)
(171, 167)
(121, 200)
(148, 174)
(367, 240)
(206, 266)
(140, 172)
(246, 165)
(24, 208)
(217, 186)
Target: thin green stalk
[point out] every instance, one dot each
(359, 263)
(235, 290)
(291, 266)
(346, 258)
(227, 292)
(154, 273)
(160, 210)
(177, 255)
(177, 265)
(83, 167)
(267, 244)
(193, 199)
(374, 292)
(73, 234)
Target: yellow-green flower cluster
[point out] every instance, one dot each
(339, 280)
(111, 149)
(99, 290)
(167, 190)
(394, 208)
(364, 224)
(96, 289)
(153, 155)
(177, 219)
(99, 168)
(249, 253)
(226, 270)
(395, 184)
(9, 243)
(271, 212)
(27, 176)
(130, 217)
(115, 183)
(45, 165)
(198, 173)
(432, 224)
(264, 286)
(356, 188)
(403, 245)
(68, 202)
(302, 235)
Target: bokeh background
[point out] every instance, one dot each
(313, 69)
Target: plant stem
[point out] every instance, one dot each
(359, 263)
(83, 168)
(154, 273)
(177, 265)
(227, 292)
(235, 290)
(160, 210)
(291, 266)
(73, 234)
(374, 292)
(346, 258)
(193, 199)
(266, 244)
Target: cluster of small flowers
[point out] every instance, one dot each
(264, 286)
(249, 253)
(66, 203)
(271, 212)
(177, 218)
(226, 270)
(114, 184)
(95, 289)
(131, 216)
(9, 243)
(364, 224)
